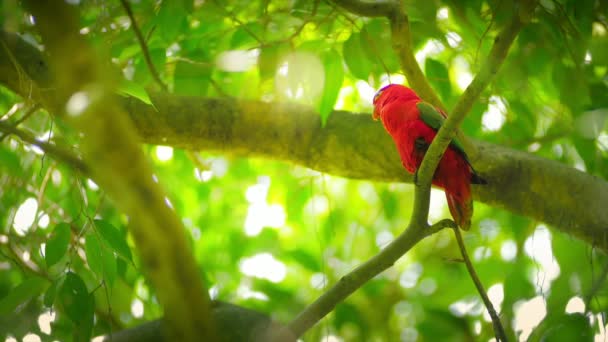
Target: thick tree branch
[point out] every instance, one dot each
(117, 164)
(369, 9)
(236, 324)
(350, 145)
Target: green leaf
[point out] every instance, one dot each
(574, 89)
(172, 18)
(438, 76)
(305, 259)
(27, 290)
(270, 56)
(376, 43)
(355, 58)
(142, 73)
(114, 238)
(51, 293)
(130, 88)
(192, 79)
(58, 244)
(245, 36)
(78, 305)
(9, 161)
(101, 261)
(563, 328)
(334, 75)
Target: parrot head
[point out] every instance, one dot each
(390, 93)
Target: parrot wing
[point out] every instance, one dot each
(434, 119)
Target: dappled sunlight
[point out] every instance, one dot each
(575, 305)
(300, 77)
(470, 306)
(454, 39)
(409, 277)
(427, 286)
(43, 220)
(494, 118)
(137, 308)
(31, 337)
(318, 281)
(237, 60)
(437, 205)
(25, 216)
(265, 266)
(432, 48)
(164, 153)
(383, 238)
(366, 92)
(462, 72)
(496, 295)
(245, 292)
(45, 320)
(92, 185)
(442, 13)
(538, 248)
(260, 213)
(508, 250)
(528, 315)
(317, 205)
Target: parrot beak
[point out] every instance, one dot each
(376, 114)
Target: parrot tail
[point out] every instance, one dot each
(461, 208)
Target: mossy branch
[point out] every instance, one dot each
(143, 46)
(349, 145)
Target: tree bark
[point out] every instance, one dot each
(350, 145)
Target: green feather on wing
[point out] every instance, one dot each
(432, 117)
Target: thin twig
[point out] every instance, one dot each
(143, 45)
(596, 286)
(499, 331)
(52, 150)
(362, 274)
(25, 116)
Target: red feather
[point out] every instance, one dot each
(395, 106)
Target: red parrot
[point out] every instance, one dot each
(413, 124)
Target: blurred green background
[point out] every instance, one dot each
(272, 236)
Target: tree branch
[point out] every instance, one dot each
(499, 331)
(349, 145)
(236, 323)
(446, 133)
(362, 274)
(401, 39)
(118, 165)
(143, 45)
(56, 152)
(369, 9)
